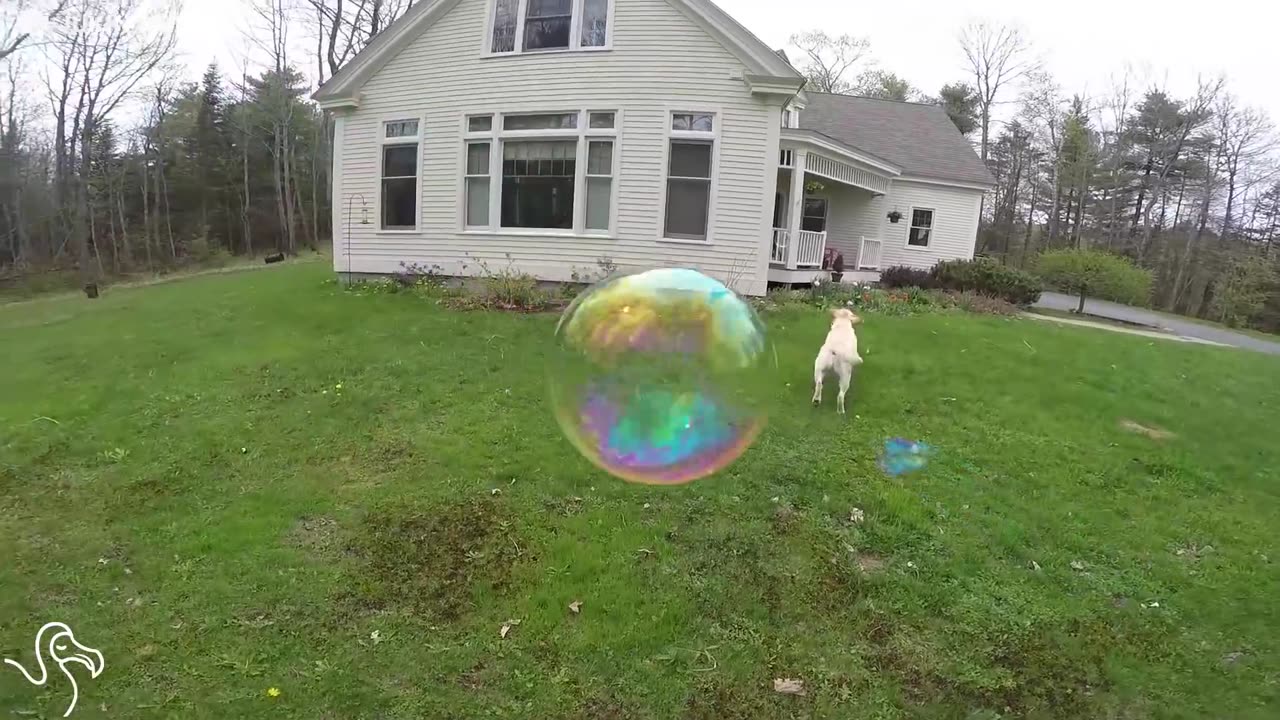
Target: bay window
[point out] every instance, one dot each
(540, 172)
(526, 26)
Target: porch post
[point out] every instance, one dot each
(797, 206)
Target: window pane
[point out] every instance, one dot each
(477, 201)
(922, 218)
(399, 203)
(690, 160)
(815, 215)
(601, 120)
(598, 192)
(547, 23)
(687, 208)
(696, 122)
(919, 237)
(537, 183)
(599, 158)
(595, 18)
(480, 123)
(402, 128)
(504, 25)
(478, 159)
(544, 121)
(400, 161)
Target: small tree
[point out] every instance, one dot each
(1097, 274)
(1241, 291)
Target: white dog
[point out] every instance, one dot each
(839, 354)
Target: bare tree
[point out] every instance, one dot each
(1245, 135)
(829, 59)
(102, 49)
(344, 27)
(997, 56)
(1196, 113)
(10, 37)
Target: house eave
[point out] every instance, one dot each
(967, 185)
(774, 85)
(338, 103)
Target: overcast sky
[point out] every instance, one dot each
(1083, 42)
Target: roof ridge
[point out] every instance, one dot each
(876, 99)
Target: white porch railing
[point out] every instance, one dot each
(868, 254)
(809, 249)
(781, 241)
(806, 252)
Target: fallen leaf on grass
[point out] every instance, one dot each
(856, 515)
(788, 686)
(1154, 433)
(506, 628)
(575, 607)
(1035, 566)
(1077, 565)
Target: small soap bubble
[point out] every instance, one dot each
(901, 456)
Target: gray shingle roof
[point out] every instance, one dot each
(918, 138)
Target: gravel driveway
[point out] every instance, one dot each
(1126, 313)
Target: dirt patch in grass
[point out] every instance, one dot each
(1051, 672)
(316, 534)
(604, 707)
(869, 563)
(433, 561)
(724, 701)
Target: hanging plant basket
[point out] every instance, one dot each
(894, 216)
(813, 186)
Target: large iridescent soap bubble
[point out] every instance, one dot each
(659, 376)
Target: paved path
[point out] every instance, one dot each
(1126, 313)
(1113, 327)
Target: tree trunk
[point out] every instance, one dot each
(1080, 307)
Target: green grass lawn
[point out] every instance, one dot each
(252, 481)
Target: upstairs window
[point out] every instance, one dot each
(541, 25)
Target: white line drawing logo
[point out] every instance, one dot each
(60, 639)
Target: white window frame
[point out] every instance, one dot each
(466, 186)
(712, 137)
(404, 140)
(497, 137)
(826, 210)
(933, 218)
(575, 31)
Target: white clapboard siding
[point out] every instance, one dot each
(660, 61)
(855, 214)
(955, 224)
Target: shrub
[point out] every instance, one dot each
(1093, 273)
(902, 276)
(988, 278)
(977, 303)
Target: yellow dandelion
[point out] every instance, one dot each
(273, 692)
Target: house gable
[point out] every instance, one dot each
(765, 71)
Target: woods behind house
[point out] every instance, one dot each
(111, 164)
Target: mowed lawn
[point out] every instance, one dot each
(252, 481)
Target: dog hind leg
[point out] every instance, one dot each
(818, 369)
(846, 372)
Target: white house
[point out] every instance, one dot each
(549, 135)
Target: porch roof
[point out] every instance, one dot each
(834, 160)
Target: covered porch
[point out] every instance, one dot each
(827, 200)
